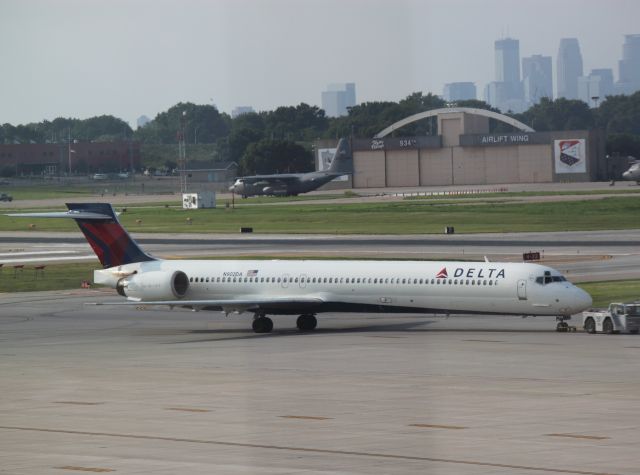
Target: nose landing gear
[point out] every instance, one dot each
(563, 326)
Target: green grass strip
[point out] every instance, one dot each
(399, 217)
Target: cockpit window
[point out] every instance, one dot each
(548, 279)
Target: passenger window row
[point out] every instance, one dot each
(344, 280)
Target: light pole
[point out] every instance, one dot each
(182, 154)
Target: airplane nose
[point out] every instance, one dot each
(582, 300)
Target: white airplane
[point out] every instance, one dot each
(633, 173)
(310, 287)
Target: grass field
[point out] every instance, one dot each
(54, 277)
(525, 194)
(48, 192)
(404, 217)
(603, 293)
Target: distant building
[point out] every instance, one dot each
(507, 60)
(495, 94)
(595, 87)
(629, 66)
(537, 80)
(208, 171)
(142, 121)
(505, 93)
(241, 110)
(459, 91)
(81, 158)
(337, 98)
(504, 96)
(568, 68)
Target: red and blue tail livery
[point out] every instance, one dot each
(108, 239)
(99, 224)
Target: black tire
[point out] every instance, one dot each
(607, 326)
(306, 323)
(262, 325)
(590, 325)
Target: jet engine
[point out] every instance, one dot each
(154, 285)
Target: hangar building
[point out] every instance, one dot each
(465, 152)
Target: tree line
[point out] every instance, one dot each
(281, 140)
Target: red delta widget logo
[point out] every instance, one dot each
(472, 273)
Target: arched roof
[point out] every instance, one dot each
(448, 110)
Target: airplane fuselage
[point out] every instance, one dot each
(282, 185)
(354, 286)
(633, 173)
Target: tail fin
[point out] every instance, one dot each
(106, 236)
(99, 224)
(342, 161)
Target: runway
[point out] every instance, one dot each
(97, 389)
(581, 256)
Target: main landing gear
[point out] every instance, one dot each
(262, 324)
(306, 322)
(564, 326)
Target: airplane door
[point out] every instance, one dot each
(285, 281)
(303, 281)
(522, 289)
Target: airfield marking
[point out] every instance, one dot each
(86, 469)
(79, 403)
(578, 436)
(486, 341)
(387, 336)
(312, 418)
(437, 426)
(312, 450)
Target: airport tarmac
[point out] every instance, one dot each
(90, 389)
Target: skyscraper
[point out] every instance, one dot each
(337, 98)
(629, 66)
(537, 80)
(598, 84)
(507, 60)
(459, 91)
(505, 92)
(569, 68)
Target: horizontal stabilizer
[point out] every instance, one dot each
(99, 224)
(63, 214)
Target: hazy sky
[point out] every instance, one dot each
(81, 58)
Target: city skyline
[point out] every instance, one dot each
(73, 58)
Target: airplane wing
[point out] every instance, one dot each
(276, 176)
(270, 179)
(293, 304)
